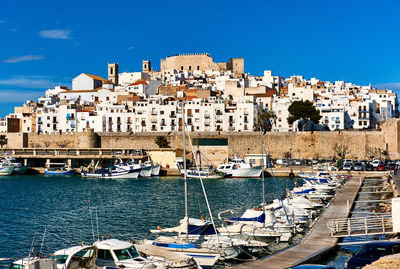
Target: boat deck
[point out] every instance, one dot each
(318, 240)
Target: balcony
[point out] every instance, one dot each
(172, 115)
(153, 112)
(189, 115)
(231, 128)
(207, 124)
(153, 120)
(207, 116)
(71, 117)
(218, 121)
(218, 112)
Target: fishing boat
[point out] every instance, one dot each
(34, 263)
(6, 169)
(237, 168)
(110, 173)
(206, 173)
(119, 170)
(59, 169)
(19, 169)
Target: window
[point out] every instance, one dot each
(111, 71)
(198, 67)
(181, 68)
(104, 254)
(190, 67)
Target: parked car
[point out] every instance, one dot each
(380, 167)
(347, 167)
(376, 162)
(350, 161)
(282, 162)
(358, 166)
(297, 162)
(371, 252)
(369, 167)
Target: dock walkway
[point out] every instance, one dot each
(318, 240)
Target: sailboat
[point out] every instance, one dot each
(195, 238)
(261, 221)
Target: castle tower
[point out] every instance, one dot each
(146, 66)
(113, 73)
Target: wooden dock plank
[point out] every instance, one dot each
(318, 239)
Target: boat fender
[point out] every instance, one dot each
(291, 174)
(109, 174)
(103, 175)
(257, 209)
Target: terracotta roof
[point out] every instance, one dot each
(96, 77)
(139, 82)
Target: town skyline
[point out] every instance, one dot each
(321, 40)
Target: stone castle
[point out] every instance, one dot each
(196, 62)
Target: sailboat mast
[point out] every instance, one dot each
(262, 173)
(185, 170)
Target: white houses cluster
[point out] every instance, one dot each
(223, 100)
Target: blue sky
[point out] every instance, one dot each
(47, 43)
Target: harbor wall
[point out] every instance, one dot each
(358, 144)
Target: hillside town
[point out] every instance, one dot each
(218, 97)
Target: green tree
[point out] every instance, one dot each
(162, 142)
(3, 140)
(305, 111)
(266, 119)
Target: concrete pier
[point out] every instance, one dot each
(318, 240)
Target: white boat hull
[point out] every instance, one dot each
(5, 171)
(155, 170)
(253, 172)
(146, 171)
(112, 175)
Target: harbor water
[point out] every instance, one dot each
(73, 209)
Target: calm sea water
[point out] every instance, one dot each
(123, 209)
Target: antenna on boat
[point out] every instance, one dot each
(203, 188)
(91, 219)
(185, 172)
(32, 247)
(262, 174)
(41, 246)
(97, 224)
(276, 185)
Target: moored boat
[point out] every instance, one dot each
(59, 169)
(237, 167)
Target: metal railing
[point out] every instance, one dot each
(371, 225)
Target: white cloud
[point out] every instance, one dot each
(23, 58)
(9, 96)
(130, 48)
(390, 86)
(28, 82)
(57, 34)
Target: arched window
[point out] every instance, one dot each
(190, 67)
